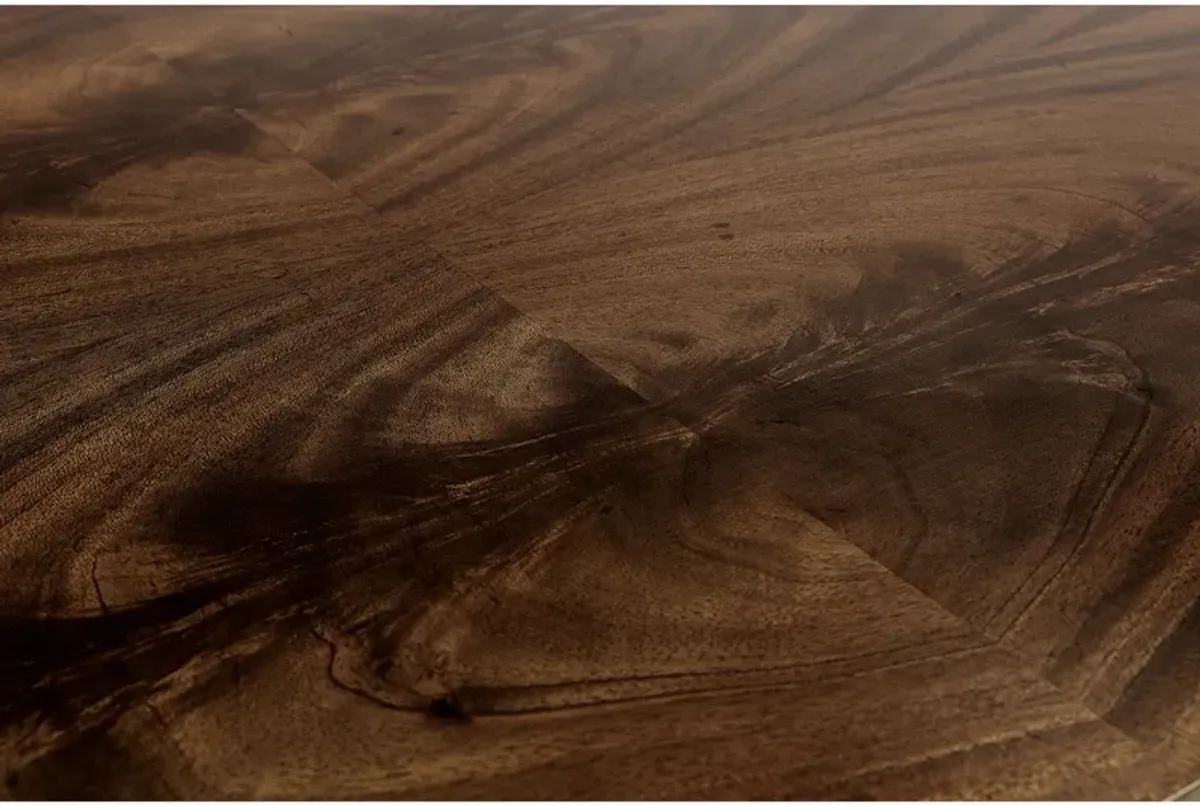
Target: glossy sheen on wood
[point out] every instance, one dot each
(599, 403)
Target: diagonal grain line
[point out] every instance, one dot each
(350, 195)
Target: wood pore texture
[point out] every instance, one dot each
(603, 403)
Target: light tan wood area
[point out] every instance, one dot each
(599, 403)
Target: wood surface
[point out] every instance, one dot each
(599, 403)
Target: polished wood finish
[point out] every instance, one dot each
(600, 403)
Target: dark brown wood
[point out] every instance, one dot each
(599, 403)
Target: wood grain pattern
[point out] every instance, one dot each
(599, 403)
